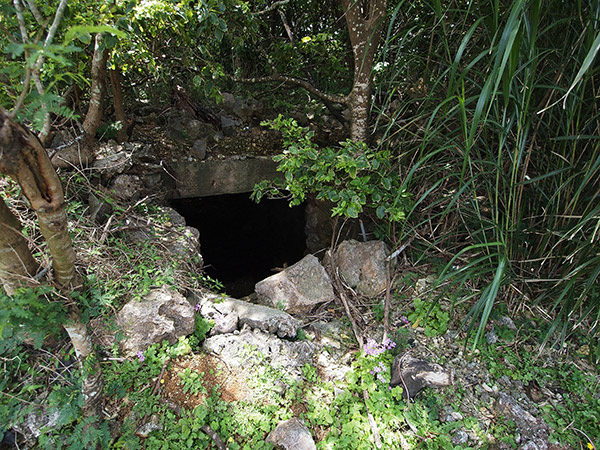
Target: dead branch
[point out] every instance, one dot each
(275, 5)
(276, 78)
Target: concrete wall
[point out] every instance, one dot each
(220, 176)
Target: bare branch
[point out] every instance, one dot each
(36, 12)
(57, 18)
(21, 20)
(37, 68)
(23, 94)
(275, 5)
(296, 82)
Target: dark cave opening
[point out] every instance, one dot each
(242, 242)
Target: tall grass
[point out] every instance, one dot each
(492, 108)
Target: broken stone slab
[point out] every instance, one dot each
(230, 314)
(298, 288)
(161, 315)
(413, 375)
(248, 346)
(362, 266)
(291, 434)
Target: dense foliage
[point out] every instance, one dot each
(482, 152)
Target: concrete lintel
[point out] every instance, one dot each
(215, 177)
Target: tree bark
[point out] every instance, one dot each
(91, 384)
(80, 152)
(93, 117)
(17, 266)
(117, 92)
(363, 19)
(24, 159)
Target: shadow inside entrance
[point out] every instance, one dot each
(243, 242)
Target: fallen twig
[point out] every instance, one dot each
(214, 436)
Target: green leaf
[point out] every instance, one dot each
(587, 62)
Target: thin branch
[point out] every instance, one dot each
(288, 29)
(36, 13)
(21, 20)
(57, 18)
(37, 67)
(12, 114)
(296, 82)
(275, 5)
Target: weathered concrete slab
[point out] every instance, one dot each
(215, 177)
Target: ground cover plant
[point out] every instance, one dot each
(479, 167)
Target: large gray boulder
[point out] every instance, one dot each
(161, 315)
(292, 434)
(298, 288)
(362, 266)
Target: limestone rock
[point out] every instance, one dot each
(181, 126)
(149, 426)
(218, 309)
(362, 266)
(161, 315)
(127, 187)
(37, 422)
(534, 432)
(291, 434)
(298, 288)
(229, 125)
(199, 148)
(413, 375)
(248, 346)
(110, 164)
(227, 311)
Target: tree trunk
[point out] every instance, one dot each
(363, 19)
(17, 266)
(115, 84)
(24, 159)
(91, 385)
(80, 153)
(93, 117)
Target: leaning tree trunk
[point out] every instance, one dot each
(17, 266)
(80, 153)
(24, 159)
(363, 20)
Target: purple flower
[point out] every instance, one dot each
(389, 344)
(197, 307)
(141, 356)
(405, 320)
(372, 347)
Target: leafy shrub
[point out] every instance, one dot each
(350, 176)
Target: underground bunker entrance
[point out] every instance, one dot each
(243, 242)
